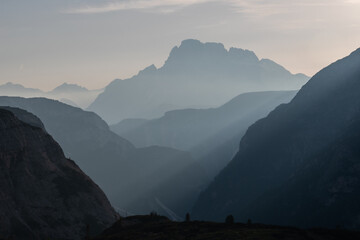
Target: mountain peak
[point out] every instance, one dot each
(149, 69)
(69, 87)
(190, 42)
(245, 54)
(9, 87)
(193, 50)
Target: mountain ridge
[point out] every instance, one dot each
(43, 194)
(194, 66)
(276, 147)
(124, 172)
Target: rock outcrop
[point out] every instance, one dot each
(43, 194)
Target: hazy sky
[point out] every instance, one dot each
(91, 42)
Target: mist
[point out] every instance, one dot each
(196, 119)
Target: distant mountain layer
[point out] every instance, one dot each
(10, 88)
(188, 128)
(131, 177)
(66, 87)
(72, 94)
(212, 136)
(300, 165)
(43, 194)
(195, 75)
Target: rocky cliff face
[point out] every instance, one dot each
(300, 164)
(43, 194)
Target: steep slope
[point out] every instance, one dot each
(124, 172)
(328, 184)
(212, 137)
(296, 138)
(188, 128)
(43, 194)
(26, 117)
(194, 75)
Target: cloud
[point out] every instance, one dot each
(164, 6)
(258, 8)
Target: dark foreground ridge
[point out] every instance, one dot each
(44, 195)
(158, 227)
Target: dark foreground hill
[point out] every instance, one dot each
(160, 228)
(299, 165)
(43, 194)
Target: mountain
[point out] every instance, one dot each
(67, 88)
(188, 128)
(26, 117)
(11, 89)
(195, 75)
(124, 172)
(72, 94)
(299, 165)
(210, 135)
(43, 194)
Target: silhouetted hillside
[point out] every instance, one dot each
(195, 75)
(300, 164)
(211, 135)
(157, 227)
(43, 194)
(124, 172)
(189, 128)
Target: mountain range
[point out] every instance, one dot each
(187, 128)
(71, 94)
(299, 165)
(131, 177)
(195, 75)
(210, 135)
(43, 194)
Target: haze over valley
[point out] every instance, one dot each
(180, 120)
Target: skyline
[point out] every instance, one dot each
(91, 43)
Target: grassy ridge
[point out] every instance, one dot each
(161, 228)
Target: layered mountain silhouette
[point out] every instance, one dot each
(44, 195)
(71, 94)
(211, 135)
(74, 95)
(11, 89)
(131, 177)
(188, 128)
(195, 75)
(300, 165)
(67, 88)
